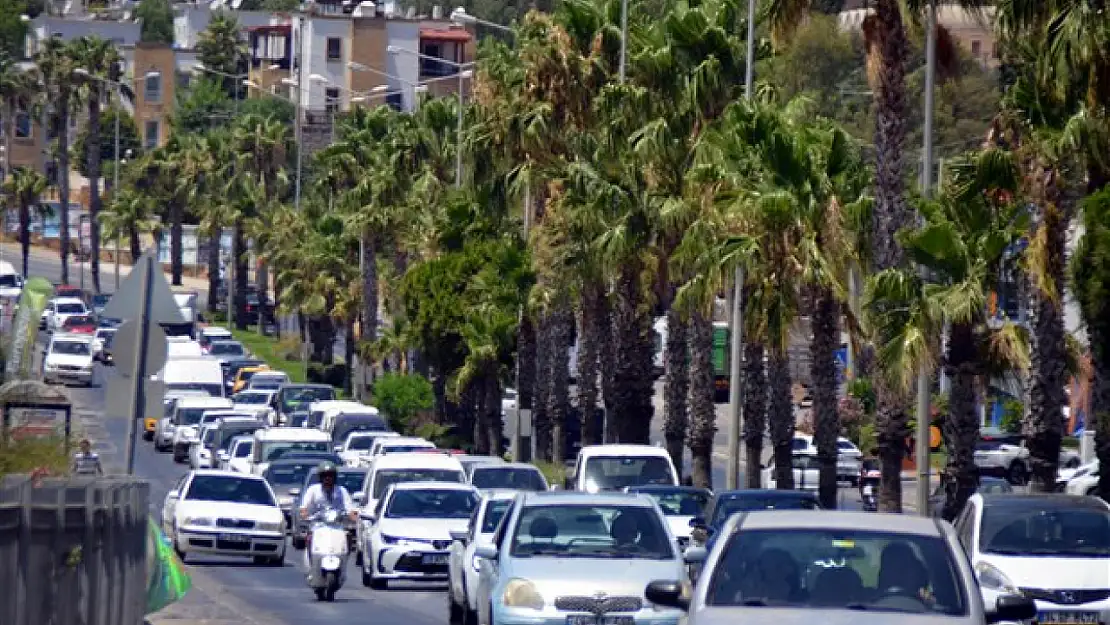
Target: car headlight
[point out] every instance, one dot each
(521, 593)
(273, 526)
(49, 366)
(199, 521)
(993, 579)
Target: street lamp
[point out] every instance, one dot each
(462, 75)
(460, 17)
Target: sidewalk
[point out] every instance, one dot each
(107, 268)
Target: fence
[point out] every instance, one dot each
(73, 551)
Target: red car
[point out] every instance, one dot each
(79, 324)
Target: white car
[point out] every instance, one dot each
(462, 564)
(69, 360)
(807, 473)
(1006, 456)
(202, 453)
(210, 334)
(680, 506)
(200, 456)
(102, 344)
(1053, 548)
(226, 514)
(239, 454)
(357, 446)
(848, 456)
(412, 531)
(254, 401)
(397, 445)
(188, 413)
(1084, 481)
(268, 381)
(59, 308)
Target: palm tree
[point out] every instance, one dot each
(25, 187)
(132, 215)
(56, 65)
(17, 91)
(100, 60)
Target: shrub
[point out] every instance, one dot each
(30, 454)
(401, 398)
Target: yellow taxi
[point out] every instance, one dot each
(244, 377)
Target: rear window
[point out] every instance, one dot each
(384, 479)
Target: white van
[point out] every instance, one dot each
(11, 283)
(182, 347)
(270, 445)
(616, 467)
(194, 374)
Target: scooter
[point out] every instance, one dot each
(327, 551)
(868, 483)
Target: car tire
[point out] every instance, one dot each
(319, 594)
(1017, 474)
(262, 560)
(358, 557)
(456, 614)
(298, 543)
(148, 436)
(278, 561)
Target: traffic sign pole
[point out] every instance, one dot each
(138, 380)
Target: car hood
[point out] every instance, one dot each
(1053, 572)
(562, 577)
(423, 529)
(680, 526)
(229, 510)
(806, 616)
(69, 359)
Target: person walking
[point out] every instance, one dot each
(86, 461)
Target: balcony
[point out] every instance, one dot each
(271, 45)
(447, 44)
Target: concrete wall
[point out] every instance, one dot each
(404, 35)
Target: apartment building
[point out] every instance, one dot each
(975, 33)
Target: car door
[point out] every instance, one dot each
(488, 570)
(169, 506)
(456, 560)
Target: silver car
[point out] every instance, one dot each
(836, 568)
(569, 558)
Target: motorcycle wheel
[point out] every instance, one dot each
(331, 584)
(319, 594)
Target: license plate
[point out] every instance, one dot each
(1068, 618)
(435, 558)
(590, 619)
(234, 538)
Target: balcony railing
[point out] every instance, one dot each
(429, 67)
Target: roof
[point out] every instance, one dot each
(203, 402)
(623, 450)
(214, 330)
(458, 35)
(69, 300)
(75, 337)
(501, 466)
(433, 486)
(1042, 502)
(665, 488)
(400, 441)
(765, 493)
(500, 494)
(837, 520)
(405, 461)
(571, 498)
(293, 387)
(221, 473)
(295, 434)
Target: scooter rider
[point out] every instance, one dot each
(324, 495)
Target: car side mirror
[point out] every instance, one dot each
(358, 498)
(338, 448)
(294, 491)
(486, 552)
(459, 536)
(173, 494)
(695, 555)
(667, 593)
(1012, 608)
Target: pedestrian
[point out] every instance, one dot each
(86, 461)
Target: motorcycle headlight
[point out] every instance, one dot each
(992, 578)
(271, 526)
(199, 521)
(521, 593)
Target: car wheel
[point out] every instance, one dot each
(278, 561)
(148, 436)
(376, 583)
(1016, 474)
(455, 612)
(358, 557)
(262, 560)
(320, 594)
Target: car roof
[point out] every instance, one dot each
(73, 338)
(343, 469)
(227, 342)
(215, 331)
(222, 473)
(565, 498)
(69, 300)
(500, 494)
(433, 486)
(203, 402)
(1044, 502)
(405, 440)
(294, 387)
(840, 520)
(499, 466)
(664, 488)
(309, 435)
(764, 493)
(609, 451)
(416, 461)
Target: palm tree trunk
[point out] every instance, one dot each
(62, 121)
(961, 428)
(1044, 425)
(214, 267)
(541, 420)
(632, 361)
(527, 356)
(134, 243)
(703, 415)
(493, 412)
(591, 313)
(239, 257)
(349, 357)
(94, 187)
(24, 236)
(823, 372)
(755, 409)
(677, 384)
(558, 401)
(781, 416)
(607, 352)
(369, 290)
(176, 249)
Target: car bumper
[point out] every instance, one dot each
(411, 563)
(1046, 608)
(181, 449)
(550, 616)
(231, 543)
(68, 377)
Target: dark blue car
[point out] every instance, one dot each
(729, 502)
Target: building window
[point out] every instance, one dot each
(431, 67)
(395, 100)
(23, 127)
(335, 49)
(152, 88)
(976, 47)
(331, 97)
(150, 135)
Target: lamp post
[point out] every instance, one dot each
(462, 75)
(462, 18)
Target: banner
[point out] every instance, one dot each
(167, 581)
(25, 327)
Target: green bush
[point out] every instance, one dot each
(27, 455)
(1012, 413)
(401, 398)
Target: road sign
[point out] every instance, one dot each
(125, 341)
(118, 400)
(128, 300)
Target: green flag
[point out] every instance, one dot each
(167, 580)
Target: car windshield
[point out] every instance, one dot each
(9, 279)
(70, 348)
(244, 450)
(291, 474)
(508, 477)
(208, 438)
(831, 569)
(78, 320)
(70, 309)
(431, 504)
(361, 443)
(276, 449)
(389, 477)
(351, 480)
(615, 473)
(680, 502)
(101, 299)
(266, 384)
(846, 446)
(1056, 532)
(581, 531)
(229, 489)
(212, 390)
(247, 397)
(105, 337)
(401, 449)
(221, 349)
(495, 511)
(293, 397)
(732, 505)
